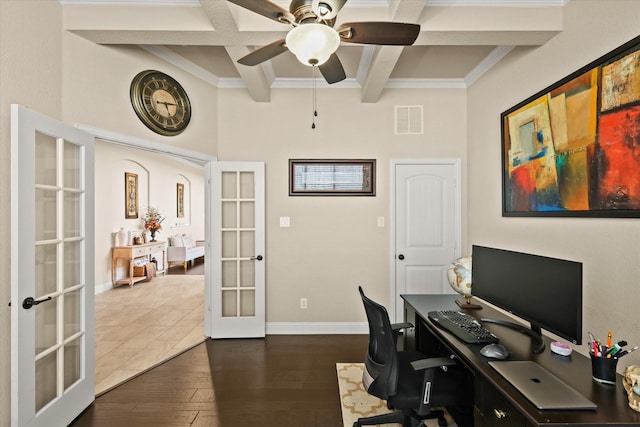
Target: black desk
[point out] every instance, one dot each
(497, 402)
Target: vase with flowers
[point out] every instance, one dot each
(153, 222)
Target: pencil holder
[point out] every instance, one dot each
(603, 369)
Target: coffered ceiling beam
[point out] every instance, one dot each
(254, 78)
(386, 57)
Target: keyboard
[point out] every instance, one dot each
(462, 326)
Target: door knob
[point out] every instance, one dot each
(259, 257)
(30, 302)
(400, 257)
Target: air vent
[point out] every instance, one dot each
(409, 120)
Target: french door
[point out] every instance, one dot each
(238, 244)
(52, 272)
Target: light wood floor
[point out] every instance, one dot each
(138, 328)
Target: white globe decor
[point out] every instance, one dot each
(459, 277)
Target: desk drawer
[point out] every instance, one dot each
(493, 409)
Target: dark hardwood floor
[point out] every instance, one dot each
(281, 380)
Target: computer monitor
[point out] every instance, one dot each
(546, 292)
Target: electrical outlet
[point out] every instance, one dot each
(303, 303)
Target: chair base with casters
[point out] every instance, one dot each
(415, 387)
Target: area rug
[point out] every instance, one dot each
(357, 403)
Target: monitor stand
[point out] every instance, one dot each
(535, 333)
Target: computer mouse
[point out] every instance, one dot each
(495, 351)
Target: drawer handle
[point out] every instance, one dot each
(499, 413)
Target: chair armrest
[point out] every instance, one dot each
(433, 362)
(398, 326)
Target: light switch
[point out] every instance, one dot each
(380, 221)
(285, 221)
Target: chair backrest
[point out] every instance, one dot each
(380, 376)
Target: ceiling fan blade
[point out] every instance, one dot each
(384, 33)
(332, 70)
(266, 8)
(264, 53)
(327, 9)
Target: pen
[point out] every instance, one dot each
(625, 352)
(609, 335)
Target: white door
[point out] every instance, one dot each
(238, 243)
(52, 275)
(427, 226)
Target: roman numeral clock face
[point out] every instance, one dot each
(160, 102)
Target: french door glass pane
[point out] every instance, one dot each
(229, 244)
(247, 215)
(72, 214)
(45, 269)
(46, 321)
(45, 160)
(247, 274)
(247, 243)
(46, 380)
(72, 166)
(229, 215)
(229, 185)
(72, 360)
(247, 303)
(72, 257)
(46, 214)
(229, 303)
(72, 310)
(229, 274)
(246, 185)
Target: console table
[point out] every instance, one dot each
(497, 402)
(130, 253)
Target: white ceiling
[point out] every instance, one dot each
(458, 42)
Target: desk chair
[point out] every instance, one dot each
(409, 382)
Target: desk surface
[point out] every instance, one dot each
(575, 370)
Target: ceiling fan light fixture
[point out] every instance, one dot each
(313, 43)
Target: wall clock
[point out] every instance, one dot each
(160, 102)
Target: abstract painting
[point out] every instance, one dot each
(573, 149)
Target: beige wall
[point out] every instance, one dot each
(30, 74)
(157, 179)
(607, 247)
(96, 80)
(333, 244)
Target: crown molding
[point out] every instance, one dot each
(352, 3)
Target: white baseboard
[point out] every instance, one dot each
(316, 328)
(104, 287)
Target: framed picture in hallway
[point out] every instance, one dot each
(573, 149)
(130, 195)
(180, 200)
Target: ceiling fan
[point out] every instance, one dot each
(314, 40)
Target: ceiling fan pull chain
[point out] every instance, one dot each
(315, 109)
